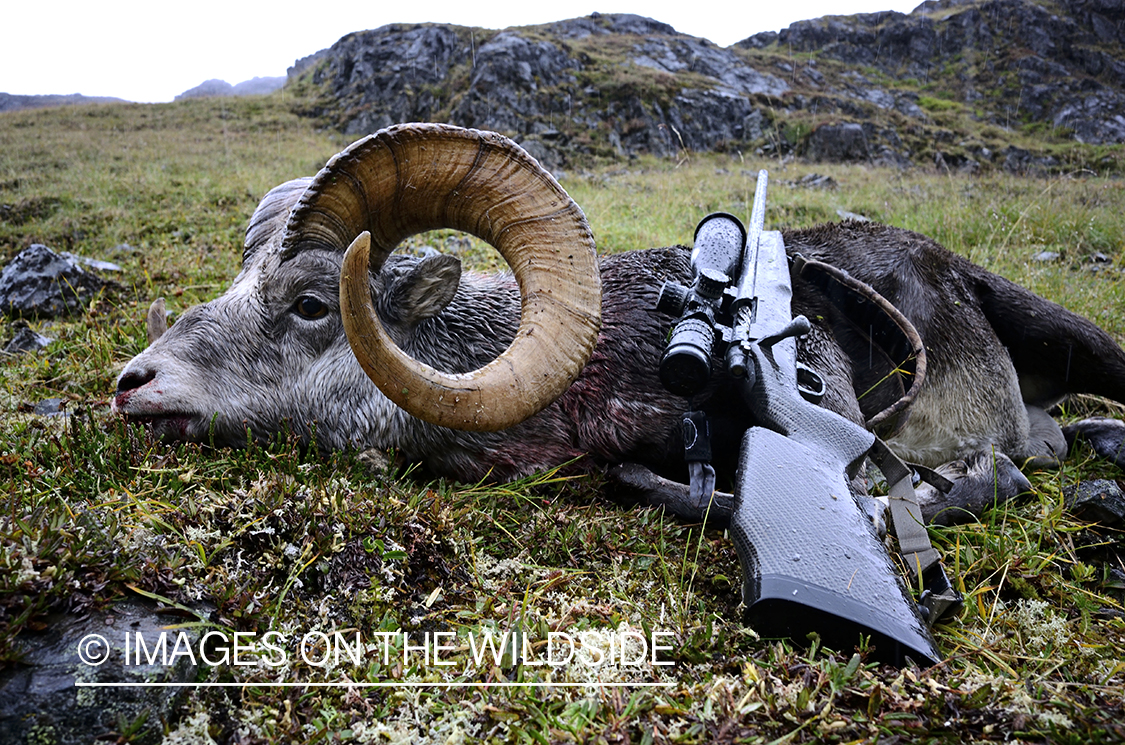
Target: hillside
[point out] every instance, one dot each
(1016, 84)
(13, 102)
(101, 523)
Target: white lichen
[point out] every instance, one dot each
(192, 730)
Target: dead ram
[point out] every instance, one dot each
(461, 360)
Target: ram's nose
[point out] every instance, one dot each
(130, 381)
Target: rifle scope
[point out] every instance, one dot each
(715, 259)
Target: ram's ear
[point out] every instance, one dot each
(426, 289)
(156, 322)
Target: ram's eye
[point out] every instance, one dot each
(309, 307)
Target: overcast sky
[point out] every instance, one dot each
(152, 51)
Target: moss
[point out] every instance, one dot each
(276, 537)
(932, 104)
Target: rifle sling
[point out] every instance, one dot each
(906, 515)
(922, 559)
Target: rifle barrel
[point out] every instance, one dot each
(747, 283)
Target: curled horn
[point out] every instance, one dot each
(412, 178)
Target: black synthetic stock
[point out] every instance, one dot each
(811, 560)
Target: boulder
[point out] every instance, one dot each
(25, 339)
(1097, 500)
(41, 283)
(838, 143)
(40, 696)
(1018, 160)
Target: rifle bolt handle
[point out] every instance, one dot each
(738, 363)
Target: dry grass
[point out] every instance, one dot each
(269, 538)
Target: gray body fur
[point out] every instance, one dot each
(249, 360)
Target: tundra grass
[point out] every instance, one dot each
(270, 537)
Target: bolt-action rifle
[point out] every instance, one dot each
(811, 556)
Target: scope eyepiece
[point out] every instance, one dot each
(686, 365)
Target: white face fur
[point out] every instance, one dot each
(271, 350)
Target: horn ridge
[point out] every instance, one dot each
(409, 179)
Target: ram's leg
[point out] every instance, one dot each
(676, 498)
(673, 496)
(1047, 446)
(1106, 437)
(980, 481)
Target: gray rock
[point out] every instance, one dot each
(1018, 160)
(685, 53)
(816, 181)
(25, 339)
(1045, 256)
(547, 156)
(1096, 119)
(838, 143)
(760, 40)
(101, 266)
(880, 98)
(1099, 500)
(51, 407)
(39, 698)
(41, 283)
(604, 24)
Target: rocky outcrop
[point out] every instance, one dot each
(880, 87)
(605, 84)
(1016, 61)
(25, 339)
